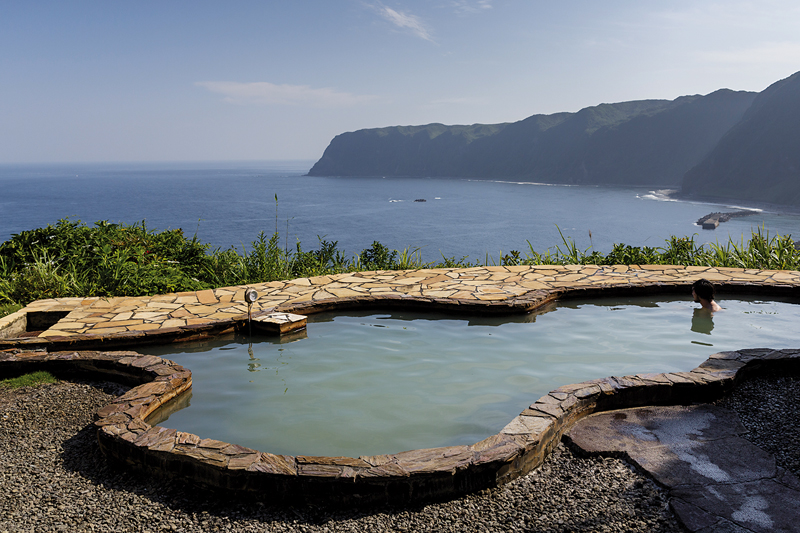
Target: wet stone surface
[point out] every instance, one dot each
(722, 474)
(54, 478)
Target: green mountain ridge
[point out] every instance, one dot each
(758, 159)
(645, 142)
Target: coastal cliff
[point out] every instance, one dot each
(646, 142)
(759, 158)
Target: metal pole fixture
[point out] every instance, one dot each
(250, 296)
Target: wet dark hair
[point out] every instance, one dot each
(703, 289)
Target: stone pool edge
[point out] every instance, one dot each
(108, 323)
(417, 475)
(413, 476)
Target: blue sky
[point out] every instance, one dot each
(240, 80)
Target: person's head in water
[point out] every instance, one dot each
(703, 293)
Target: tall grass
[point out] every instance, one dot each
(70, 258)
(760, 251)
(8, 308)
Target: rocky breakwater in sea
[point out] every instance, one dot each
(712, 220)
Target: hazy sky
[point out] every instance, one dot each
(182, 81)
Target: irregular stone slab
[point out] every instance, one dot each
(718, 480)
(279, 323)
(678, 445)
(763, 506)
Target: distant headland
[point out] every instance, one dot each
(733, 145)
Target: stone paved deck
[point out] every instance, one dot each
(417, 475)
(717, 480)
(482, 290)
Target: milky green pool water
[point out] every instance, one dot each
(371, 383)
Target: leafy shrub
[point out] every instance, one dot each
(7, 309)
(377, 257)
(70, 258)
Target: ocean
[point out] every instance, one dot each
(228, 204)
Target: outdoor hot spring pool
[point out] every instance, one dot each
(369, 383)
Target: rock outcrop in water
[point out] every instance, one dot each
(647, 142)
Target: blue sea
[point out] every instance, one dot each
(228, 204)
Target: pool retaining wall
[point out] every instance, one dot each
(73, 325)
(413, 476)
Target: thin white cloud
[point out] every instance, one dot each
(265, 93)
(782, 52)
(748, 16)
(403, 21)
(465, 100)
(471, 6)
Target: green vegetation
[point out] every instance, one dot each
(757, 160)
(28, 380)
(8, 308)
(761, 251)
(70, 258)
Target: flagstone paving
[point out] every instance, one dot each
(415, 475)
(495, 289)
(718, 481)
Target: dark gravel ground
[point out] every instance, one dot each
(769, 408)
(54, 478)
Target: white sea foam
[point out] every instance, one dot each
(527, 183)
(665, 195)
(745, 208)
(662, 195)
